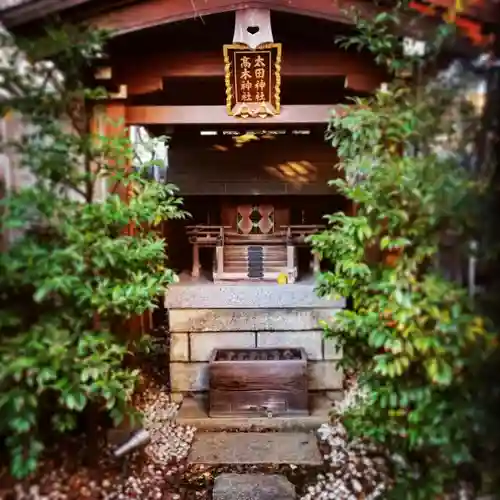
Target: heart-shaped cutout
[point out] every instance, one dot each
(253, 30)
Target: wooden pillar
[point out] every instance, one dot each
(290, 263)
(315, 264)
(219, 259)
(195, 273)
(114, 126)
(109, 120)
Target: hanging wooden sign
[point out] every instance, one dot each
(253, 80)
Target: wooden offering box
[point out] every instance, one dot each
(258, 382)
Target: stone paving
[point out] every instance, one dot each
(253, 487)
(298, 448)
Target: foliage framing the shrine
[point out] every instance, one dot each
(72, 273)
(412, 336)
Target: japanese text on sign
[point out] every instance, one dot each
(252, 75)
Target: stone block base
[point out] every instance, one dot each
(196, 332)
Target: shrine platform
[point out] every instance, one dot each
(202, 293)
(203, 316)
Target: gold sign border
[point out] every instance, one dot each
(266, 108)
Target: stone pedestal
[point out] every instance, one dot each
(207, 316)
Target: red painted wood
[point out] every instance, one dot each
(114, 126)
(335, 62)
(217, 115)
(151, 13)
(148, 13)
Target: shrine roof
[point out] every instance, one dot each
(123, 16)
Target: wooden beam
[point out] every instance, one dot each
(138, 84)
(25, 12)
(217, 115)
(335, 62)
(151, 13)
(367, 82)
(126, 18)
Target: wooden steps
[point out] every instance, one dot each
(255, 259)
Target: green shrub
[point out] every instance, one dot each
(71, 275)
(413, 336)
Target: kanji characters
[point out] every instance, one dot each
(246, 62)
(245, 74)
(259, 62)
(260, 72)
(252, 82)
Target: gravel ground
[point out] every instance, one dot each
(144, 475)
(159, 471)
(352, 470)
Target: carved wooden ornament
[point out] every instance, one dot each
(253, 67)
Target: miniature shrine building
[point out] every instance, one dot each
(244, 92)
(246, 134)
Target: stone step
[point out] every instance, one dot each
(255, 448)
(193, 412)
(253, 487)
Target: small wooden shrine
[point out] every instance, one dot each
(244, 91)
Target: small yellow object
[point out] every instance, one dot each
(282, 279)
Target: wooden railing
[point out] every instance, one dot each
(299, 232)
(290, 236)
(205, 235)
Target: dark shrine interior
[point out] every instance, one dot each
(208, 210)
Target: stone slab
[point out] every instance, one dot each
(231, 320)
(330, 349)
(193, 412)
(202, 344)
(324, 376)
(311, 341)
(253, 487)
(188, 377)
(179, 347)
(299, 448)
(195, 295)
